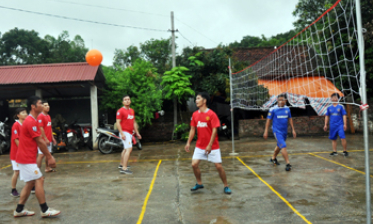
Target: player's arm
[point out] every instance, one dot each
(213, 136)
(16, 141)
(192, 132)
(136, 127)
(44, 149)
(345, 122)
(268, 122)
(326, 123)
(43, 135)
(120, 129)
(292, 127)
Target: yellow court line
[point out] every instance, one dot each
(338, 164)
(139, 221)
(5, 167)
(278, 194)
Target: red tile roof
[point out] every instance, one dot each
(47, 73)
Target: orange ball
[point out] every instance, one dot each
(93, 57)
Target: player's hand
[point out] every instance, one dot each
(208, 150)
(123, 136)
(54, 142)
(187, 146)
(47, 142)
(345, 127)
(265, 135)
(52, 162)
(294, 134)
(325, 128)
(138, 136)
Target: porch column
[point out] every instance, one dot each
(94, 112)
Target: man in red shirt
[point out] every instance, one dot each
(21, 114)
(45, 125)
(207, 146)
(126, 124)
(29, 141)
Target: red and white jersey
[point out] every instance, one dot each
(127, 117)
(205, 122)
(45, 122)
(28, 148)
(16, 129)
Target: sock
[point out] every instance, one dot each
(20, 208)
(44, 207)
(13, 190)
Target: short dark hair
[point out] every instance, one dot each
(283, 95)
(205, 96)
(18, 111)
(33, 100)
(335, 94)
(126, 95)
(44, 101)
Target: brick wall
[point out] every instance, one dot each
(302, 125)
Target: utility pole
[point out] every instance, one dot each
(173, 66)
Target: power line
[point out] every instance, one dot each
(82, 20)
(185, 38)
(105, 7)
(196, 30)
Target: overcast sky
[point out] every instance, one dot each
(203, 22)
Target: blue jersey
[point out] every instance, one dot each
(336, 114)
(279, 117)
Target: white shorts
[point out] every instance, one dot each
(128, 142)
(49, 148)
(14, 165)
(214, 156)
(29, 172)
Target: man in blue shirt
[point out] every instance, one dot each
(280, 116)
(336, 114)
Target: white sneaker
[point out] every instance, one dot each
(24, 212)
(49, 213)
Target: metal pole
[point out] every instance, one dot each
(173, 66)
(363, 94)
(233, 153)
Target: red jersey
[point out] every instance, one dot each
(46, 123)
(127, 117)
(28, 148)
(205, 122)
(16, 128)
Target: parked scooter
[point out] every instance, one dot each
(79, 136)
(4, 137)
(109, 141)
(225, 127)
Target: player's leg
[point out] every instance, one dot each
(28, 174)
(222, 174)
(14, 183)
(342, 136)
(39, 160)
(274, 156)
(197, 171)
(40, 195)
(285, 154)
(333, 134)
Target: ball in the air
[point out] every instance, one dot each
(93, 57)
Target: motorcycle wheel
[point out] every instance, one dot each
(101, 148)
(138, 145)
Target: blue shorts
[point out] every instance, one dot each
(335, 132)
(281, 139)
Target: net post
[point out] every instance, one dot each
(363, 94)
(233, 153)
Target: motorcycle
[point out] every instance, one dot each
(225, 127)
(79, 136)
(4, 137)
(109, 140)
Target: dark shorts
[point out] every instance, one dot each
(281, 139)
(335, 132)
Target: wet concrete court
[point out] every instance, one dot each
(88, 187)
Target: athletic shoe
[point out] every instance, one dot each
(121, 167)
(345, 153)
(274, 161)
(15, 194)
(333, 153)
(196, 187)
(288, 167)
(49, 213)
(24, 212)
(127, 171)
(33, 190)
(227, 190)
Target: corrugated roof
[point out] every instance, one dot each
(47, 73)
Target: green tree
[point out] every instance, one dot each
(138, 81)
(176, 84)
(126, 58)
(157, 52)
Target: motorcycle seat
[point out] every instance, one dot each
(116, 132)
